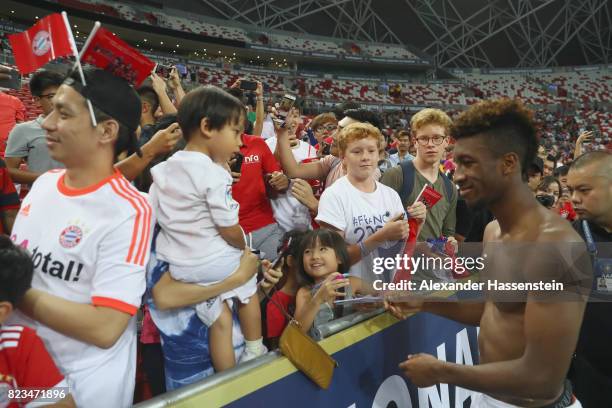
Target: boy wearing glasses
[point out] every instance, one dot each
(27, 140)
(430, 135)
(323, 127)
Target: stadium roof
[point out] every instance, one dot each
(457, 33)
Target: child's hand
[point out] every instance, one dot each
(302, 191)
(271, 276)
(249, 263)
(278, 181)
(454, 243)
(418, 211)
(395, 229)
(329, 289)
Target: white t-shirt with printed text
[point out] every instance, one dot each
(192, 196)
(88, 246)
(358, 215)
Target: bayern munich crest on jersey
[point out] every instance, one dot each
(71, 236)
(41, 43)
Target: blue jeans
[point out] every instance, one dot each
(184, 336)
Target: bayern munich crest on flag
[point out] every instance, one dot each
(42, 43)
(71, 236)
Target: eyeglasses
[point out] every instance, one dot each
(436, 140)
(48, 96)
(329, 128)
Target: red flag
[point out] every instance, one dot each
(428, 196)
(404, 272)
(44, 41)
(109, 52)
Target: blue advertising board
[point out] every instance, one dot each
(368, 355)
(368, 375)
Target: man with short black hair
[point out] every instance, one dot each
(561, 175)
(550, 164)
(535, 172)
(590, 181)
(362, 116)
(403, 147)
(27, 140)
(89, 232)
(150, 104)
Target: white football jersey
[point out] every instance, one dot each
(89, 246)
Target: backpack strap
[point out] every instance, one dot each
(408, 180)
(449, 187)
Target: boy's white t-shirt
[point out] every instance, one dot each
(358, 215)
(88, 246)
(304, 151)
(192, 196)
(288, 211)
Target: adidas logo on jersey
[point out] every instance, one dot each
(57, 269)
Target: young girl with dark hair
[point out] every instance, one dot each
(323, 266)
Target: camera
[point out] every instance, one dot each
(283, 109)
(248, 85)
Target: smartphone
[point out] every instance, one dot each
(248, 85)
(283, 109)
(281, 254)
(277, 261)
(237, 165)
(13, 82)
(163, 70)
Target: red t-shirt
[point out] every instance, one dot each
(250, 192)
(25, 362)
(9, 200)
(11, 112)
(276, 320)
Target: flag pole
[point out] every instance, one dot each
(75, 52)
(93, 32)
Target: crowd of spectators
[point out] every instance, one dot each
(167, 173)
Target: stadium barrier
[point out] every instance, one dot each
(368, 354)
